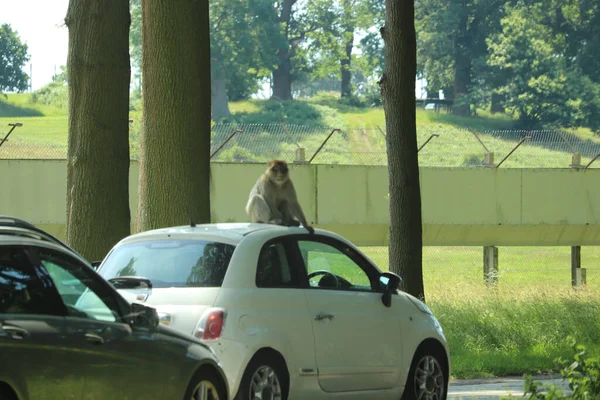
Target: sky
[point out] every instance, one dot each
(40, 24)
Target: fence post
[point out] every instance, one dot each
(576, 160)
(490, 265)
(578, 274)
(300, 156)
(488, 159)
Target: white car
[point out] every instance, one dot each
(289, 314)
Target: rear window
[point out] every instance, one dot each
(171, 263)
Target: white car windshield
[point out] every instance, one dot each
(171, 263)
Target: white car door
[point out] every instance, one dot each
(357, 338)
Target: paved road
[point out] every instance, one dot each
(495, 388)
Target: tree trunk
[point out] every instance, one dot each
(219, 100)
(398, 94)
(346, 64)
(98, 213)
(497, 103)
(462, 67)
(175, 146)
(282, 75)
(282, 78)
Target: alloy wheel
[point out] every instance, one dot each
(429, 379)
(205, 390)
(265, 385)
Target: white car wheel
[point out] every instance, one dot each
(265, 378)
(427, 379)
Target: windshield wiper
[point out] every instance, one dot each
(131, 282)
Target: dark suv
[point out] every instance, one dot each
(65, 333)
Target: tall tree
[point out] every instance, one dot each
(175, 144)
(452, 48)
(13, 56)
(98, 213)
(398, 93)
(543, 49)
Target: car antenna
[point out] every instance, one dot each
(192, 224)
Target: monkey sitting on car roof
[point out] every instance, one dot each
(273, 198)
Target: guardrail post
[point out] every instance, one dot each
(490, 265)
(578, 274)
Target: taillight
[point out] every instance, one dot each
(211, 324)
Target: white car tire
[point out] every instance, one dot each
(428, 378)
(267, 374)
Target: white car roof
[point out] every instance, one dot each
(229, 232)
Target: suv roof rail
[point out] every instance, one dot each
(7, 220)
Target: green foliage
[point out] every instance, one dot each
(582, 372)
(55, 93)
(237, 153)
(544, 84)
(13, 56)
(287, 112)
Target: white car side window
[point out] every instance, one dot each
(273, 269)
(328, 267)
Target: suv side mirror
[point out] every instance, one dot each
(388, 283)
(143, 316)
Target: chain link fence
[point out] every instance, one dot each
(518, 266)
(46, 138)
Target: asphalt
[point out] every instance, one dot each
(496, 388)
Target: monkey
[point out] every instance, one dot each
(273, 198)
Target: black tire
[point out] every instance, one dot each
(6, 394)
(214, 384)
(261, 362)
(427, 373)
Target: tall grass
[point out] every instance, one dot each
(505, 331)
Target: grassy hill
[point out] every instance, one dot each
(276, 129)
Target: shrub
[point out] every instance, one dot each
(582, 372)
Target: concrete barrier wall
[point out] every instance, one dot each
(461, 206)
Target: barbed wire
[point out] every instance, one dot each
(259, 143)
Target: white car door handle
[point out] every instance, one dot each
(321, 316)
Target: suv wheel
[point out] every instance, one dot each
(205, 385)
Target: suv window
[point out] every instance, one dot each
(21, 289)
(171, 263)
(273, 269)
(331, 267)
(80, 290)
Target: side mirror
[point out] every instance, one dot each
(143, 316)
(96, 264)
(388, 283)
